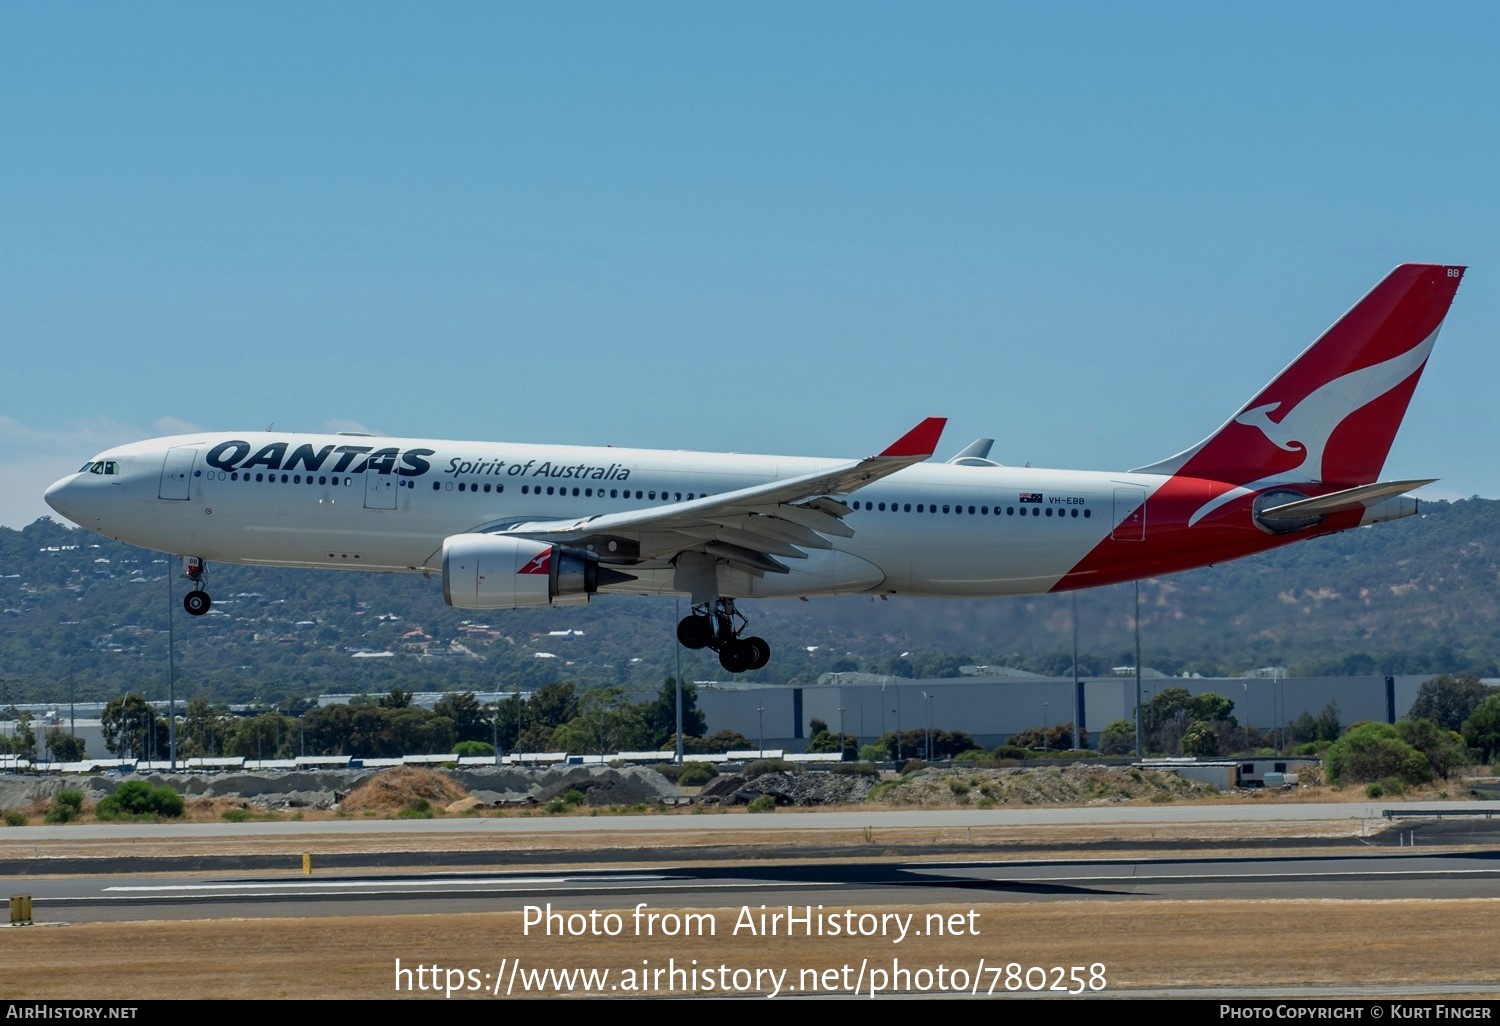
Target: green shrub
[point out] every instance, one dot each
(763, 803)
(137, 799)
(573, 799)
(1374, 790)
(235, 815)
(67, 805)
(419, 809)
(696, 775)
(14, 818)
(1372, 751)
(763, 766)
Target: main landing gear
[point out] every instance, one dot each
(196, 601)
(717, 625)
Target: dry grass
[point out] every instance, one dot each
(1349, 946)
(390, 791)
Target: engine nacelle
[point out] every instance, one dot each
(488, 571)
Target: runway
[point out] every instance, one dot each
(100, 898)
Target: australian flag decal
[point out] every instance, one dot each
(1031, 496)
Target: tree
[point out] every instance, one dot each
(912, 744)
(714, 744)
(64, 747)
(942, 664)
(660, 714)
(1445, 749)
(1055, 737)
(23, 741)
(468, 716)
(1482, 728)
(1118, 739)
(132, 729)
(607, 722)
(1307, 728)
(396, 699)
(1304, 728)
(1370, 752)
(1212, 707)
(1200, 738)
(267, 736)
(1328, 723)
(204, 727)
(1450, 698)
(824, 742)
(502, 722)
(551, 705)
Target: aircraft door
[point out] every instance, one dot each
(380, 490)
(177, 473)
(1130, 514)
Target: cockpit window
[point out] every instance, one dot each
(107, 467)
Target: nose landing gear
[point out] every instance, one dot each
(718, 626)
(196, 601)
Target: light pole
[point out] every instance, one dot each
(1139, 739)
(927, 701)
(761, 709)
(897, 686)
(1046, 740)
(1076, 716)
(1246, 685)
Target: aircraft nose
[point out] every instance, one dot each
(58, 497)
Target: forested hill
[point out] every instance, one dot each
(1416, 595)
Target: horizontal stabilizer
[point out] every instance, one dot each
(1362, 497)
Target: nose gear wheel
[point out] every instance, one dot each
(196, 601)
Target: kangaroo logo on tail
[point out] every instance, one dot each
(1338, 405)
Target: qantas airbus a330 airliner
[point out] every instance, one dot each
(514, 525)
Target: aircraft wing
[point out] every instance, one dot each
(749, 527)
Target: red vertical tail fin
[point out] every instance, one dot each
(1332, 414)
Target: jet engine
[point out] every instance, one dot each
(488, 571)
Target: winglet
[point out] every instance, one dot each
(921, 440)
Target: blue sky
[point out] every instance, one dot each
(1089, 231)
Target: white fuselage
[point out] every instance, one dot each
(387, 504)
